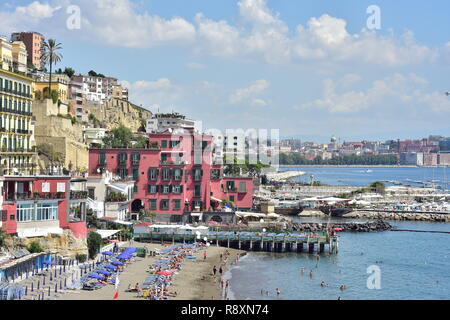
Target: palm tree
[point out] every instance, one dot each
(50, 56)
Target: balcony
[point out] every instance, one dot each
(116, 197)
(28, 196)
(78, 195)
(172, 163)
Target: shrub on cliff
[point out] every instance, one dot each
(81, 257)
(35, 247)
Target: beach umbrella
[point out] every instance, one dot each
(118, 263)
(107, 253)
(96, 276)
(103, 272)
(164, 273)
(337, 229)
(110, 266)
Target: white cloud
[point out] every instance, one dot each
(37, 10)
(405, 91)
(26, 17)
(250, 93)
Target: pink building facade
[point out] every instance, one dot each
(174, 176)
(38, 205)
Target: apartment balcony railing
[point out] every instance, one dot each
(14, 111)
(173, 163)
(77, 195)
(16, 92)
(27, 196)
(17, 150)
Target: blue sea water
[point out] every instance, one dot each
(357, 176)
(412, 266)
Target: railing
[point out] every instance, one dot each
(14, 111)
(35, 196)
(74, 195)
(171, 162)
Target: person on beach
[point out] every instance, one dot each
(220, 270)
(227, 284)
(310, 274)
(204, 255)
(302, 271)
(214, 270)
(278, 292)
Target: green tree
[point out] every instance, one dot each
(120, 137)
(69, 72)
(379, 187)
(35, 247)
(51, 56)
(94, 242)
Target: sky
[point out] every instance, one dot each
(311, 69)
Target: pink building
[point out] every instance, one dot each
(173, 176)
(35, 206)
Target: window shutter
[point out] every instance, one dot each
(181, 189)
(170, 189)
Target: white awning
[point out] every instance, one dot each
(107, 233)
(215, 199)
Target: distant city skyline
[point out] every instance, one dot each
(309, 68)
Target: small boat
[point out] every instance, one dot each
(369, 171)
(335, 211)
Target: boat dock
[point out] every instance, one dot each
(253, 241)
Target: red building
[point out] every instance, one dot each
(175, 175)
(34, 206)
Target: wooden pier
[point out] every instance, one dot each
(254, 241)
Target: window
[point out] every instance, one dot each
(215, 174)
(153, 174)
(164, 204)
(46, 187)
(102, 159)
(135, 174)
(176, 204)
(165, 189)
(242, 186)
(163, 143)
(153, 205)
(91, 193)
(122, 172)
(135, 158)
(152, 188)
(122, 158)
(177, 174)
(163, 158)
(198, 173)
(197, 190)
(177, 189)
(47, 211)
(230, 186)
(232, 198)
(174, 144)
(165, 174)
(61, 187)
(25, 212)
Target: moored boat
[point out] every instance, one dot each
(335, 211)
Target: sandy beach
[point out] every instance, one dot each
(195, 281)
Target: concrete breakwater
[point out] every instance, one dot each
(398, 216)
(370, 226)
(284, 175)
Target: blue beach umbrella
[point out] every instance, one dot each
(110, 266)
(32, 286)
(96, 276)
(103, 272)
(118, 263)
(107, 253)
